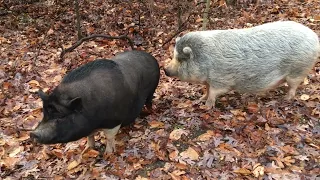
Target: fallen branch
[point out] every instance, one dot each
(64, 51)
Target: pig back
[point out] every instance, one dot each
(107, 100)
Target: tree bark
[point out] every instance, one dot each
(205, 15)
(78, 19)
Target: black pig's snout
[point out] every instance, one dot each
(166, 72)
(34, 136)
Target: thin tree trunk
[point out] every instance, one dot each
(78, 19)
(179, 15)
(205, 15)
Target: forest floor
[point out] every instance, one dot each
(244, 137)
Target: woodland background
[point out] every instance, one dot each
(245, 137)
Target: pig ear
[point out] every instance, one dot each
(187, 50)
(43, 96)
(177, 39)
(75, 104)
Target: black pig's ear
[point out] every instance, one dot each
(75, 104)
(43, 95)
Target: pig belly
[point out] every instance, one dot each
(260, 84)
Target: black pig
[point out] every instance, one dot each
(103, 94)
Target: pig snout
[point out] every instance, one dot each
(34, 136)
(166, 72)
(43, 136)
(170, 71)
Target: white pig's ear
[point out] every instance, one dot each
(43, 96)
(177, 39)
(187, 50)
(75, 104)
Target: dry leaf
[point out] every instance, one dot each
(177, 133)
(199, 20)
(206, 136)
(50, 31)
(258, 170)
(16, 151)
(252, 107)
(174, 177)
(178, 172)
(91, 154)
(304, 97)
(288, 160)
(73, 164)
(237, 112)
(190, 153)
(9, 161)
(58, 153)
(243, 171)
(156, 124)
(173, 155)
(34, 83)
(159, 33)
(141, 178)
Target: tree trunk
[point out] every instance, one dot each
(205, 15)
(78, 19)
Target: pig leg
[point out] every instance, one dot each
(111, 142)
(90, 143)
(205, 93)
(149, 102)
(293, 84)
(213, 93)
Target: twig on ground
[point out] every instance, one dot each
(78, 43)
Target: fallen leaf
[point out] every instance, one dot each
(159, 33)
(302, 157)
(73, 164)
(237, 112)
(206, 136)
(16, 151)
(178, 172)
(50, 31)
(258, 170)
(173, 155)
(190, 153)
(58, 153)
(288, 160)
(199, 20)
(252, 107)
(242, 171)
(141, 178)
(91, 154)
(9, 161)
(34, 83)
(304, 97)
(177, 133)
(156, 124)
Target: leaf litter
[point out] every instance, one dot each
(246, 137)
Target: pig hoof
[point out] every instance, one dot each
(288, 98)
(110, 147)
(204, 98)
(109, 150)
(210, 104)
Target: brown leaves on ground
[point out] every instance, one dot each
(245, 137)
